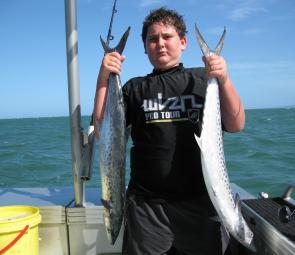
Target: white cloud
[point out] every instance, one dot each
(244, 9)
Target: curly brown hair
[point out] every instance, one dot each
(167, 17)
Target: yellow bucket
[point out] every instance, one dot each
(19, 230)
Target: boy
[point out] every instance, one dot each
(167, 204)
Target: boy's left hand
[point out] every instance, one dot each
(215, 67)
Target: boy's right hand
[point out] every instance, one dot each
(111, 63)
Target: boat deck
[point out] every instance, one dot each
(69, 230)
(268, 208)
(65, 229)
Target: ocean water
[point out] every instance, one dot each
(36, 152)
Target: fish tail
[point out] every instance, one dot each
(121, 45)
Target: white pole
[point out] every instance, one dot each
(74, 99)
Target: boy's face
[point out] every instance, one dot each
(164, 46)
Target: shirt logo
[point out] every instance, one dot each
(181, 108)
(194, 115)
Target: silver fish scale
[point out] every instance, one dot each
(112, 150)
(219, 135)
(214, 168)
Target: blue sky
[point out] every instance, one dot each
(259, 49)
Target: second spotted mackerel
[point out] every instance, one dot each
(213, 161)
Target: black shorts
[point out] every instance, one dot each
(159, 228)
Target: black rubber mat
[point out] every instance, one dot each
(268, 209)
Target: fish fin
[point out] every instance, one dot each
(238, 204)
(127, 133)
(225, 238)
(199, 141)
(214, 191)
(252, 247)
(106, 204)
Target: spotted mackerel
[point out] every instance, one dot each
(112, 151)
(213, 161)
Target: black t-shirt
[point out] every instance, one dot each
(164, 110)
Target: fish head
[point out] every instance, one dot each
(111, 221)
(112, 225)
(245, 235)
